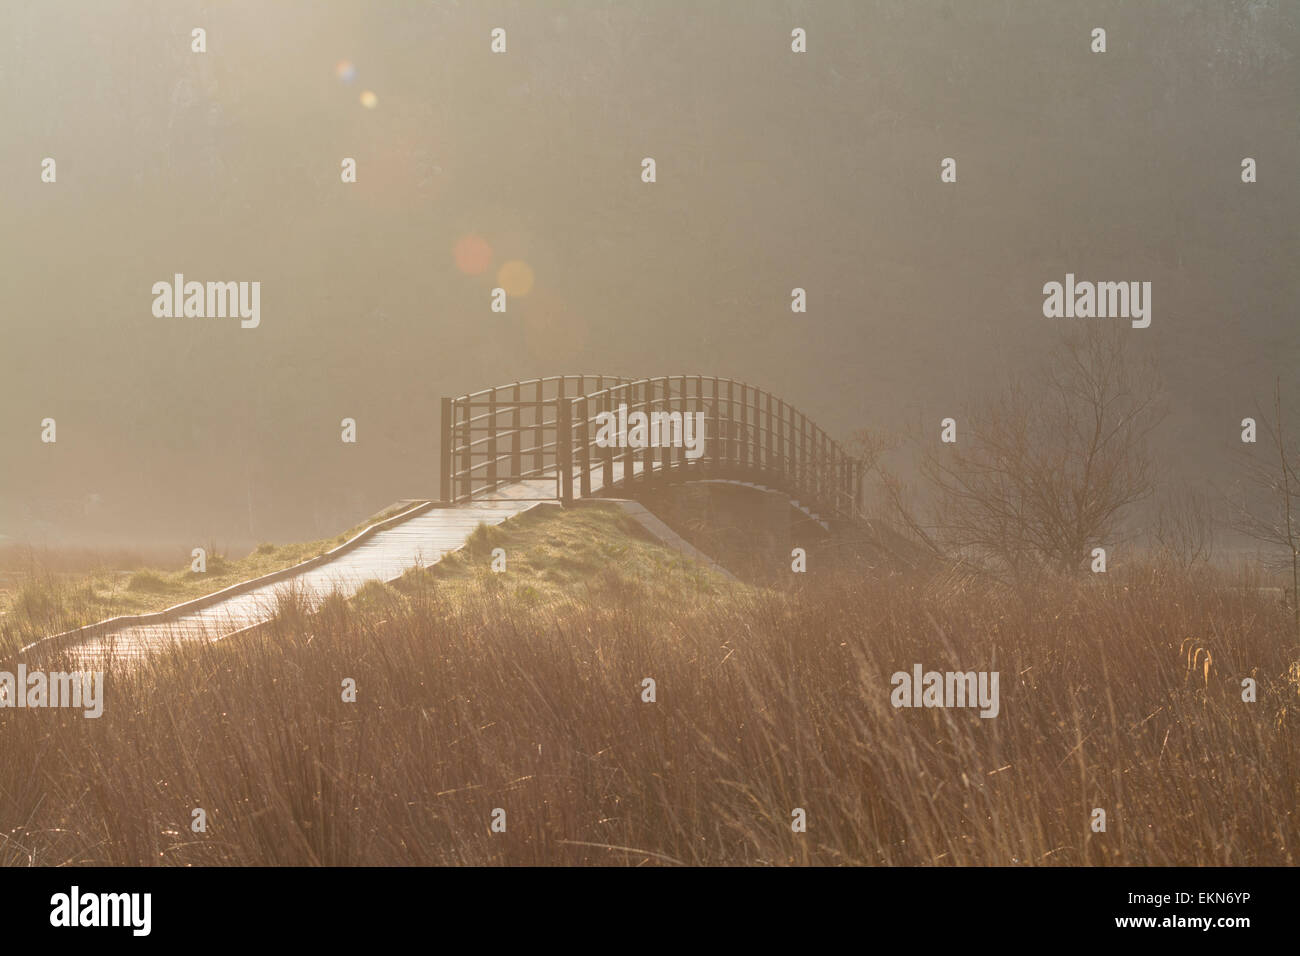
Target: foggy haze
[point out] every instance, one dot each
(774, 172)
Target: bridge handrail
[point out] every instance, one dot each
(748, 431)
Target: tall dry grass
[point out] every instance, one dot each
(470, 700)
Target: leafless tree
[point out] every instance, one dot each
(1182, 530)
(1273, 520)
(1044, 471)
(894, 499)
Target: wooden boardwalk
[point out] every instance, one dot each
(384, 555)
(419, 537)
(503, 450)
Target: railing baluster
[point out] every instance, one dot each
(607, 453)
(649, 453)
(767, 439)
(826, 467)
(629, 462)
(688, 407)
(539, 461)
(516, 440)
(780, 439)
(803, 450)
(711, 439)
(667, 405)
(444, 453)
(564, 445)
(676, 403)
(492, 439)
(743, 458)
(729, 449)
(662, 403)
(466, 474)
(584, 450)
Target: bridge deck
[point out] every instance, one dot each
(420, 540)
(756, 434)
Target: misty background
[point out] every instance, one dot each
(775, 170)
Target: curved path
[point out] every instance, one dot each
(383, 552)
(419, 536)
(508, 448)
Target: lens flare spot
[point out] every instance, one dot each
(345, 71)
(369, 100)
(516, 277)
(473, 254)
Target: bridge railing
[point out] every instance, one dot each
(565, 432)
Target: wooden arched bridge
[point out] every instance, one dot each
(504, 449)
(570, 434)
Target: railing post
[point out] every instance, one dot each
(670, 460)
(816, 440)
(564, 446)
(767, 461)
(466, 460)
(648, 452)
(803, 452)
(743, 456)
(584, 450)
(607, 453)
(629, 459)
(824, 484)
(539, 433)
(729, 449)
(780, 438)
(516, 441)
(676, 403)
(444, 453)
(600, 457)
(654, 450)
(492, 439)
(683, 403)
(712, 436)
